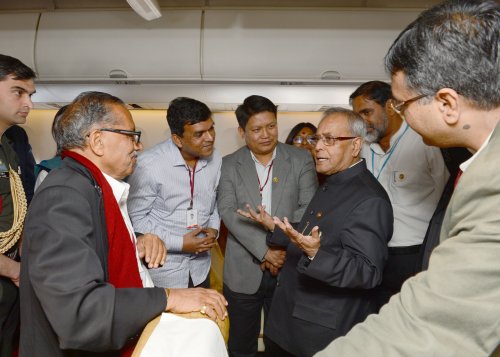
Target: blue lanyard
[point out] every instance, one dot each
(388, 156)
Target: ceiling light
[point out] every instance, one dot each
(148, 9)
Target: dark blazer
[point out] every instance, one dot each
(20, 143)
(317, 301)
(68, 308)
(453, 157)
(294, 182)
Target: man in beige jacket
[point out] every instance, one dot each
(445, 70)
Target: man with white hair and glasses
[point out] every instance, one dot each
(336, 254)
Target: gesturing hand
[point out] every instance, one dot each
(308, 244)
(260, 216)
(273, 260)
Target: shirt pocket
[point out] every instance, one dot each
(409, 187)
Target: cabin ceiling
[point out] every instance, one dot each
(219, 97)
(61, 5)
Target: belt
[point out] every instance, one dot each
(405, 250)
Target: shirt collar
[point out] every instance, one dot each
(347, 174)
(178, 160)
(120, 188)
(258, 162)
(377, 149)
(465, 165)
(357, 162)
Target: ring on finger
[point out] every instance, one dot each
(203, 310)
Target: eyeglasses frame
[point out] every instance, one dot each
(400, 107)
(303, 140)
(311, 139)
(135, 134)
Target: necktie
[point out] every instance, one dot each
(459, 174)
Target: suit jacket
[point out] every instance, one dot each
(293, 184)
(453, 308)
(453, 157)
(319, 300)
(68, 308)
(20, 143)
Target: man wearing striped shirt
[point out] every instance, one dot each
(173, 192)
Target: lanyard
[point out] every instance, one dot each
(261, 188)
(388, 156)
(191, 183)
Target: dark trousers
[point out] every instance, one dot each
(245, 315)
(9, 315)
(274, 350)
(204, 284)
(402, 263)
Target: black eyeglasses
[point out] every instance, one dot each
(328, 140)
(136, 135)
(400, 106)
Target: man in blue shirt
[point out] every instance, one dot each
(173, 192)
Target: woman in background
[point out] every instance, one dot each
(299, 134)
(298, 137)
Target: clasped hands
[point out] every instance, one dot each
(275, 257)
(194, 243)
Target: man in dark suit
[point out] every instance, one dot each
(82, 274)
(16, 88)
(336, 254)
(264, 172)
(21, 145)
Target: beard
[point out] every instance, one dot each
(377, 131)
(372, 137)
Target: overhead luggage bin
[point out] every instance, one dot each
(17, 36)
(299, 44)
(85, 46)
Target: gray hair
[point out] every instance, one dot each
(452, 45)
(355, 122)
(87, 111)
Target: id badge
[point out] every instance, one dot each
(192, 218)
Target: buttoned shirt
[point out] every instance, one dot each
(121, 191)
(265, 175)
(465, 165)
(160, 195)
(414, 175)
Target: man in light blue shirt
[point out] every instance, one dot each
(173, 195)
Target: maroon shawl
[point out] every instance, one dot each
(122, 262)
